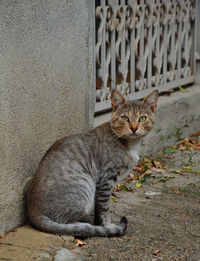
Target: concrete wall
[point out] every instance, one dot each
(46, 88)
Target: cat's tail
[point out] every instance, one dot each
(81, 229)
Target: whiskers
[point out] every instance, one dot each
(117, 135)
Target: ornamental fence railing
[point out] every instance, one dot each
(142, 45)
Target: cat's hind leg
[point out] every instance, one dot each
(102, 204)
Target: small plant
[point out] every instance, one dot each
(187, 188)
(158, 130)
(165, 178)
(178, 133)
(169, 150)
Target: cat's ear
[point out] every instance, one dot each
(116, 99)
(152, 99)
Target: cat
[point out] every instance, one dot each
(76, 176)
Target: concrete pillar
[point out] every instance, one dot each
(46, 88)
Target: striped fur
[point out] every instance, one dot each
(70, 192)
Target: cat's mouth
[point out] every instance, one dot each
(135, 135)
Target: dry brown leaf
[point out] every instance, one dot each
(148, 172)
(177, 171)
(189, 144)
(181, 146)
(197, 133)
(176, 191)
(156, 252)
(139, 169)
(79, 243)
(116, 188)
(158, 164)
(158, 170)
(132, 176)
(192, 145)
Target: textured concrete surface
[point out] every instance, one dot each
(26, 244)
(46, 70)
(65, 254)
(177, 116)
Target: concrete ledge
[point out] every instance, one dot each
(177, 116)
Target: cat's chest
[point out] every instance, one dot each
(133, 152)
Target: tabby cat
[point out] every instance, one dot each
(76, 176)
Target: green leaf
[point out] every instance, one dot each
(114, 200)
(188, 168)
(124, 188)
(181, 88)
(165, 178)
(176, 171)
(138, 185)
(169, 151)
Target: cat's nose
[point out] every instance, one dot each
(134, 126)
(134, 129)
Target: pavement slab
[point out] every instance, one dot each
(27, 243)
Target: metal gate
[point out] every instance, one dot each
(142, 45)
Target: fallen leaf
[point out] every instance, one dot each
(181, 89)
(165, 178)
(148, 172)
(169, 150)
(116, 188)
(188, 168)
(138, 185)
(145, 176)
(158, 170)
(79, 243)
(177, 171)
(122, 187)
(189, 144)
(176, 191)
(181, 146)
(132, 176)
(157, 164)
(139, 169)
(113, 199)
(3, 235)
(197, 133)
(156, 252)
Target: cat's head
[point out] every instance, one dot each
(132, 119)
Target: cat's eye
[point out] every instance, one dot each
(142, 118)
(125, 118)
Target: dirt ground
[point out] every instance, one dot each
(163, 212)
(163, 215)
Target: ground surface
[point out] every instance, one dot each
(163, 216)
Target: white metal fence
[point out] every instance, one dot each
(143, 45)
